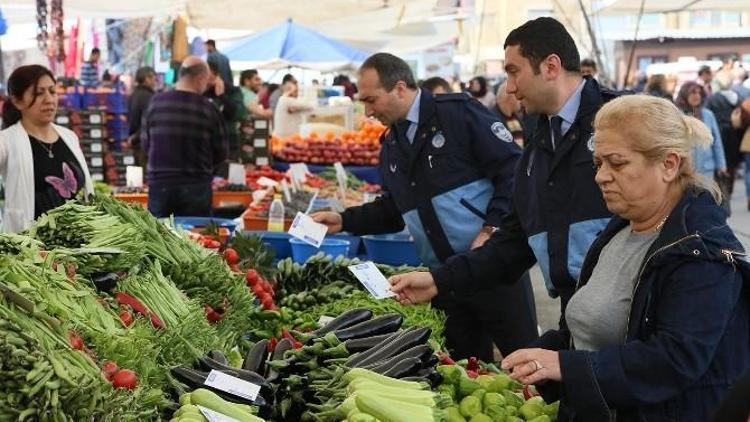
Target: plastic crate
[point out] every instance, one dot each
(118, 129)
(202, 222)
(221, 199)
(278, 241)
(117, 102)
(392, 249)
(251, 221)
(302, 251)
(134, 198)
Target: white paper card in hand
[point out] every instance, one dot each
(232, 385)
(236, 174)
(307, 230)
(213, 416)
(373, 280)
(134, 176)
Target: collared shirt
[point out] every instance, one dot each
(413, 117)
(569, 111)
(89, 74)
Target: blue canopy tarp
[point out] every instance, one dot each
(290, 44)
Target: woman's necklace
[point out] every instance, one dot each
(655, 229)
(50, 154)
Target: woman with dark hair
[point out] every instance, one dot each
(41, 163)
(479, 90)
(709, 162)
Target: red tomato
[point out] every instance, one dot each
(109, 369)
(231, 256)
(252, 275)
(75, 341)
(125, 378)
(267, 302)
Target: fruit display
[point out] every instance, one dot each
(361, 148)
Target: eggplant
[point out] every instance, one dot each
(195, 379)
(355, 360)
(249, 376)
(380, 325)
(400, 369)
(412, 337)
(255, 359)
(218, 356)
(347, 319)
(430, 362)
(278, 354)
(434, 378)
(421, 351)
(357, 345)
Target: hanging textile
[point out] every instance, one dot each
(179, 40)
(41, 22)
(115, 36)
(57, 49)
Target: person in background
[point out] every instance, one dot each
(90, 70)
(709, 162)
(659, 326)
(287, 117)
(264, 96)
(705, 77)
(588, 68)
(657, 87)
(479, 89)
(641, 80)
(145, 79)
(286, 83)
(184, 138)
(557, 208)
(722, 103)
(447, 166)
(251, 85)
(222, 61)
(350, 89)
(229, 102)
(511, 113)
(436, 85)
(41, 163)
(739, 85)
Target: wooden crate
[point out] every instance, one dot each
(231, 199)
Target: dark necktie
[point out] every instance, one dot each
(556, 124)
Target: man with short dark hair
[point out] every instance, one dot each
(250, 85)
(705, 77)
(222, 61)
(90, 69)
(229, 102)
(184, 136)
(447, 166)
(288, 79)
(145, 79)
(558, 208)
(588, 68)
(436, 85)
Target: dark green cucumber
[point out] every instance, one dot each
(412, 337)
(249, 376)
(255, 359)
(347, 319)
(218, 356)
(421, 351)
(380, 325)
(355, 360)
(400, 369)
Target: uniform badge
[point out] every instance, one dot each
(438, 140)
(501, 132)
(590, 143)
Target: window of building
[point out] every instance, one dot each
(723, 56)
(644, 61)
(715, 18)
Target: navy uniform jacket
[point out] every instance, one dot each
(557, 212)
(454, 178)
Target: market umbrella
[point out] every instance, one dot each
(290, 44)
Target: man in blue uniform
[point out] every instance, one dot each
(557, 209)
(447, 166)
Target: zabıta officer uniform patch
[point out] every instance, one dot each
(501, 132)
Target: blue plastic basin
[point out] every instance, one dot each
(354, 242)
(301, 251)
(278, 241)
(392, 249)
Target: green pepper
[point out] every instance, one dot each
(500, 383)
(512, 399)
(467, 386)
(496, 412)
(451, 373)
(454, 415)
(492, 399)
(530, 410)
(470, 406)
(481, 418)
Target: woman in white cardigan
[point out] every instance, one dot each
(41, 163)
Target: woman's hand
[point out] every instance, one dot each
(533, 366)
(412, 288)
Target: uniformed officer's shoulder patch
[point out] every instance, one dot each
(458, 96)
(501, 132)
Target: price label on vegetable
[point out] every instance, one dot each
(307, 230)
(232, 385)
(374, 281)
(213, 416)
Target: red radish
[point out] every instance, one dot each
(75, 341)
(231, 256)
(267, 302)
(125, 378)
(110, 369)
(235, 268)
(212, 315)
(252, 275)
(272, 344)
(126, 318)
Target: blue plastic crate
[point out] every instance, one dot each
(278, 241)
(204, 221)
(301, 251)
(118, 129)
(392, 249)
(117, 102)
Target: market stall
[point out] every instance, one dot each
(108, 314)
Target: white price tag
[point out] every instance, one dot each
(324, 320)
(95, 119)
(285, 189)
(128, 160)
(237, 174)
(269, 183)
(96, 133)
(261, 124)
(259, 143)
(62, 120)
(373, 280)
(96, 147)
(232, 385)
(97, 162)
(134, 176)
(213, 416)
(307, 230)
(97, 177)
(261, 161)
